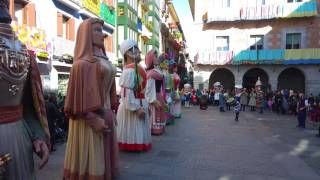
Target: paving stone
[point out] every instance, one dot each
(209, 145)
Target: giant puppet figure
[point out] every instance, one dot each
(91, 151)
(134, 125)
(23, 121)
(177, 100)
(260, 96)
(169, 89)
(154, 93)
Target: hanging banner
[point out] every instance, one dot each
(92, 6)
(34, 38)
(107, 14)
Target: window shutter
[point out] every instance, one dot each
(31, 14)
(108, 43)
(71, 29)
(110, 38)
(59, 24)
(24, 15)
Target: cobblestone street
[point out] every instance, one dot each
(209, 145)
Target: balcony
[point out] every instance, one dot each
(63, 46)
(73, 4)
(263, 12)
(208, 57)
(278, 56)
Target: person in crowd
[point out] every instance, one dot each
(302, 111)
(284, 105)
(134, 125)
(53, 116)
(154, 93)
(278, 102)
(211, 97)
(237, 99)
(198, 93)
(252, 99)
(244, 99)
(91, 150)
(222, 101)
(229, 99)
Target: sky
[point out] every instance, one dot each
(191, 30)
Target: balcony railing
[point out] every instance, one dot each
(272, 11)
(272, 56)
(63, 46)
(208, 57)
(278, 56)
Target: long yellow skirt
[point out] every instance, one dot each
(85, 156)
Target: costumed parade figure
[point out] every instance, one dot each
(260, 96)
(167, 84)
(170, 93)
(187, 95)
(91, 151)
(154, 93)
(134, 125)
(23, 120)
(177, 98)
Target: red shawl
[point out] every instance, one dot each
(142, 75)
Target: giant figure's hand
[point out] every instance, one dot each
(42, 150)
(96, 122)
(141, 114)
(157, 104)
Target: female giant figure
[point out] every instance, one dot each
(91, 151)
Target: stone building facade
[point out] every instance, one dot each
(278, 41)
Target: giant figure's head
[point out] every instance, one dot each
(4, 12)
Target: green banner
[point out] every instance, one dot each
(107, 14)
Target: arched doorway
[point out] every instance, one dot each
(291, 79)
(224, 76)
(251, 76)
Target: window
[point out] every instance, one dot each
(66, 27)
(293, 41)
(290, 1)
(24, 14)
(222, 43)
(256, 42)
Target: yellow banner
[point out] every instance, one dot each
(92, 5)
(34, 38)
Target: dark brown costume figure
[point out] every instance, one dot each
(92, 147)
(23, 123)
